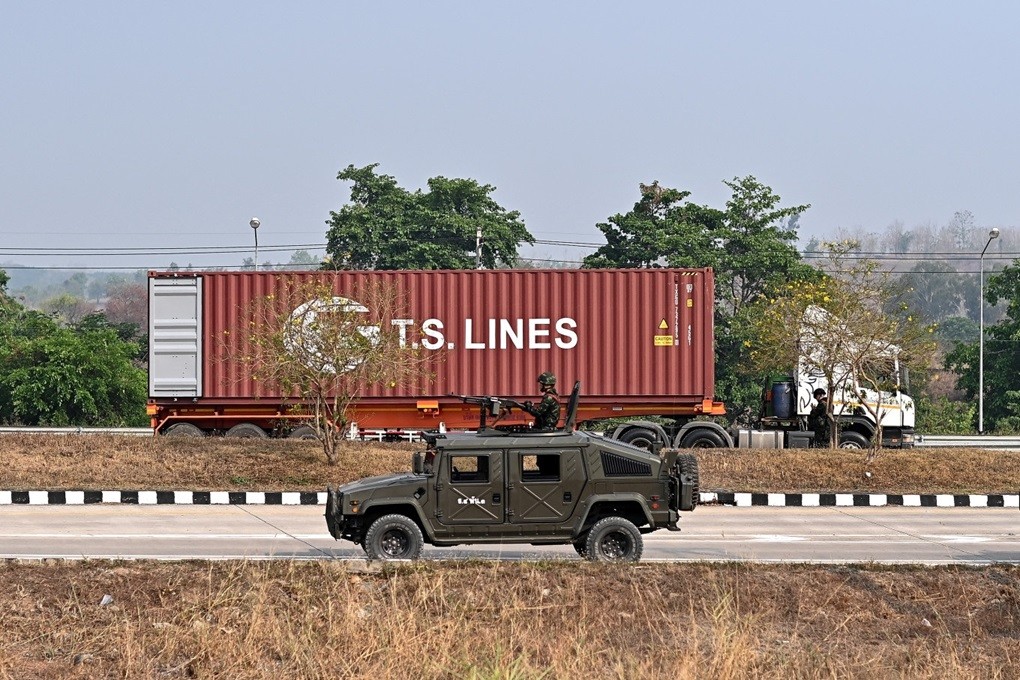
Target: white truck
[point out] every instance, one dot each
(787, 401)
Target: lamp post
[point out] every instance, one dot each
(254, 223)
(992, 235)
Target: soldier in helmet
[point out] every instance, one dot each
(547, 412)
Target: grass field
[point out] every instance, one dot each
(498, 620)
(111, 462)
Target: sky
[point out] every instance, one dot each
(165, 127)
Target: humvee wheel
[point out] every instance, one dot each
(614, 539)
(393, 537)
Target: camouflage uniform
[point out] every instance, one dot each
(547, 412)
(818, 420)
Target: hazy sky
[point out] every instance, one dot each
(169, 125)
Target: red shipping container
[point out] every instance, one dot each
(639, 340)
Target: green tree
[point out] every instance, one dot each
(1001, 356)
(387, 227)
(51, 375)
(750, 245)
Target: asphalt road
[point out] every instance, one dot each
(886, 535)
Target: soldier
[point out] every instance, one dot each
(818, 419)
(547, 413)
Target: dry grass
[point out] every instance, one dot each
(436, 620)
(110, 462)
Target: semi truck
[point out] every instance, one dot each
(641, 340)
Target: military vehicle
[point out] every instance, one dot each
(517, 485)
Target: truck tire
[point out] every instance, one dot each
(183, 430)
(641, 437)
(852, 440)
(687, 465)
(393, 537)
(246, 431)
(303, 432)
(702, 439)
(613, 539)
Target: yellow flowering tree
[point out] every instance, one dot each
(837, 327)
(323, 349)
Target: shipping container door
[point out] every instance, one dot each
(175, 332)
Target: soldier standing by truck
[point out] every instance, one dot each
(818, 419)
(547, 412)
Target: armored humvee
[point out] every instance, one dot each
(514, 485)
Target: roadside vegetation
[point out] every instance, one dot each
(110, 462)
(506, 620)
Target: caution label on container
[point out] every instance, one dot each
(663, 340)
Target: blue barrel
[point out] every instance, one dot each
(782, 399)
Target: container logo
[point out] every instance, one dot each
(303, 333)
(303, 336)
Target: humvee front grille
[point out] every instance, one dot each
(617, 466)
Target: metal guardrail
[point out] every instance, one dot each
(1008, 443)
(128, 431)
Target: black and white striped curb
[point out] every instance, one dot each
(740, 500)
(163, 497)
(863, 500)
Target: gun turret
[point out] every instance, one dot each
(496, 407)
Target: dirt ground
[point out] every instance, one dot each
(441, 620)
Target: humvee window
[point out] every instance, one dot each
(541, 468)
(469, 469)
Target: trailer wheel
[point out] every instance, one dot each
(393, 537)
(303, 432)
(183, 430)
(641, 437)
(246, 431)
(852, 440)
(702, 439)
(614, 539)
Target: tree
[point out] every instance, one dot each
(302, 259)
(1001, 356)
(387, 227)
(50, 375)
(838, 328)
(68, 309)
(750, 245)
(932, 289)
(309, 342)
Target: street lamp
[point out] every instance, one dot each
(992, 235)
(254, 223)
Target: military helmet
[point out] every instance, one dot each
(547, 379)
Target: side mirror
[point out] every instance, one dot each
(417, 463)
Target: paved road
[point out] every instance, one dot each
(829, 535)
